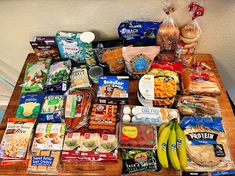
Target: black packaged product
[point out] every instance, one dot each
(139, 161)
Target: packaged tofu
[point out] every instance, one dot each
(45, 47)
(44, 161)
(35, 76)
(113, 89)
(16, 139)
(53, 108)
(48, 136)
(70, 46)
(29, 106)
(58, 76)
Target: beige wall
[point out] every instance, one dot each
(22, 19)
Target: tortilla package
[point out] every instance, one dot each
(206, 144)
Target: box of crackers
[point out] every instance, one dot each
(113, 89)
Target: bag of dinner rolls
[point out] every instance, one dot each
(168, 32)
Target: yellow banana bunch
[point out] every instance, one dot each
(162, 145)
(181, 147)
(172, 152)
(172, 146)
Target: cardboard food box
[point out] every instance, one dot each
(113, 89)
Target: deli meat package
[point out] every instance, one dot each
(206, 144)
(200, 82)
(16, 139)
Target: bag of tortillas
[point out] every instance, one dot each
(206, 143)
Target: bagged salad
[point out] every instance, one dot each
(35, 76)
(58, 76)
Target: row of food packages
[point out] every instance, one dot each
(49, 139)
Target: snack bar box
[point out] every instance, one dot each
(113, 89)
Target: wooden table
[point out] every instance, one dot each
(114, 168)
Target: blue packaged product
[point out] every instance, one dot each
(139, 33)
(70, 46)
(52, 108)
(29, 106)
(113, 89)
(206, 144)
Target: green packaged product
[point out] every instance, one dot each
(35, 76)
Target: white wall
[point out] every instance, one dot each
(22, 19)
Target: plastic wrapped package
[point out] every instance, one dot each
(114, 59)
(168, 33)
(58, 76)
(206, 144)
(53, 108)
(138, 60)
(200, 82)
(190, 33)
(148, 115)
(103, 117)
(139, 33)
(29, 106)
(79, 79)
(77, 107)
(196, 105)
(35, 76)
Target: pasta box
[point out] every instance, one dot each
(113, 89)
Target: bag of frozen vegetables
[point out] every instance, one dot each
(35, 76)
(58, 76)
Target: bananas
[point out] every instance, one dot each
(181, 147)
(162, 145)
(172, 153)
(172, 146)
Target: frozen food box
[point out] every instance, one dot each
(45, 46)
(113, 89)
(29, 106)
(44, 161)
(48, 136)
(70, 46)
(16, 139)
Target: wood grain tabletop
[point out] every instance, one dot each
(114, 168)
